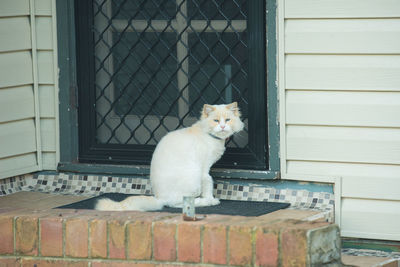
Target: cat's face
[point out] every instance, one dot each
(222, 120)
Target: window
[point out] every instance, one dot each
(146, 68)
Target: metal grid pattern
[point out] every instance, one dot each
(157, 62)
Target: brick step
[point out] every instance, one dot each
(93, 238)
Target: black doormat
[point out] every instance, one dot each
(226, 207)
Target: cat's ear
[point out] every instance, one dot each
(207, 109)
(234, 108)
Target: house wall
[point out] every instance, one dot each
(28, 87)
(340, 106)
(339, 80)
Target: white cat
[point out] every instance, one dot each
(182, 160)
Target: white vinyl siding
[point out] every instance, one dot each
(12, 63)
(341, 9)
(343, 144)
(340, 105)
(16, 103)
(370, 218)
(15, 29)
(343, 36)
(345, 108)
(28, 87)
(343, 72)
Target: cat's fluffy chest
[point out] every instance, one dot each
(208, 149)
(216, 149)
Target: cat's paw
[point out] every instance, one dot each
(202, 202)
(214, 201)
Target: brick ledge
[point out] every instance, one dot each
(82, 237)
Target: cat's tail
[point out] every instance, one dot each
(138, 203)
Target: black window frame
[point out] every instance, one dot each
(72, 160)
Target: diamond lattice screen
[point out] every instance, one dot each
(158, 62)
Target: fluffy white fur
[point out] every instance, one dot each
(182, 160)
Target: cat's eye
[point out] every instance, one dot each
(227, 120)
(216, 120)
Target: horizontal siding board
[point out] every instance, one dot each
(343, 72)
(16, 103)
(45, 67)
(17, 138)
(360, 187)
(46, 101)
(341, 36)
(15, 34)
(48, 134)
(44, 37)
(18, 165)
(24, 170)
(378, 172)
(343, 144)
(16, 69)
(377, 109)
(366, 218)
(342, 8)
(43, 7)
(14, 8)
(370, 235)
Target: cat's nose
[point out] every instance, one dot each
(222, 126)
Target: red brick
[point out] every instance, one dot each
(10, 262)
(139, 240)
(293, 247)
(189, 242)
(116, 231)
(240, 245)
(267, 250)
(293, 241)
(51, 236)
(7, 235)
(76, 237)
(26, 235)
(214, 244)
(98, 238)
(52, 263)
(164, 241)
(120, 264)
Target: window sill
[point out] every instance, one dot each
(106, 169)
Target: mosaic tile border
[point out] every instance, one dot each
(92, 185)
(88, 185)
(370, 252)
(13, 184)
(299, 199)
